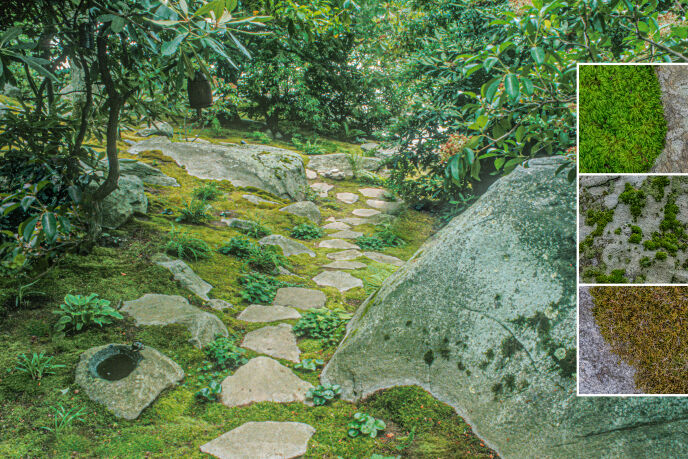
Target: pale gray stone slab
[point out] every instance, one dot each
(276, 341)
(382, 258)
(299, 297)
(336, 226)
(365, 212)
(289, 247)
(262, 440)
(259, 313)
(347, 198)
(343, 264)
(372, 192)
(183, 274)
(350, 254)
(346, 234)
(336, 244)
(340, 280)
(252, 198)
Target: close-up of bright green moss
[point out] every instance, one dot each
(621, 119)
(646, 327)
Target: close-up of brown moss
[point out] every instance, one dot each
(648, 328)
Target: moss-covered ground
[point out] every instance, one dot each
(176, 424)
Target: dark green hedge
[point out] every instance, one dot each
(622, 124)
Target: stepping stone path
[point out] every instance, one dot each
(365, 212)
(183, 274)
(263, 379)
(276, 341)
(262, 440)
(220, 305)
(252, 198)
(336, 226)
(154, 309)
(336, 244)
(355, 221)
(321, 188)
(289, 246)
(311, 175)
(259, 313)
(301, 298)
(304, 209)
(372, 192)
(345, 255)
(382, 258)
(340, 280)
(342, 264)
(347, 198)
(385, 206)
(238, 223)
(347, 234)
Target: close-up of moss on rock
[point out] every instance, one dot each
(622, 126)
(645, 326)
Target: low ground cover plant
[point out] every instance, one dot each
(207, 192)
(259, 288)
(196, 211)
(36, 366)
(365, 424)
(225, 354)
(258, 257)
(182, 245)
(323, 393)
(306, 232)
(324, 324)
(384, 237)
(78, 312)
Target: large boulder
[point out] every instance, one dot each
(270, 169)
(147, 173)
(128, 199)
(343, 163)
(484, 318)
(156, 128)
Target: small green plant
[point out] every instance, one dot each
(309, 364)
(259, 288)
(63, 418)
(187, 247)
(225, 354)
(257, 231)
(365, 424)
(79, 311)
(661, 255)
(323, 393)
(389, 237)
(635, 238)
(617, 231)
(215, 127)
(370, 243)
(207, 192)
(238, 246)
(209, 393)
(261, 258)
(37, 366)
(311, 146)
(645, 262)
(324, 324)
(259, 136)
(617, 276)
(195, 211)
(306, 232)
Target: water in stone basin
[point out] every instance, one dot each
(116, 367)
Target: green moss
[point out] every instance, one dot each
(617, 276)
(510, 346)
(429, 357)
(661, 255)
(635, 239)
(636, 200)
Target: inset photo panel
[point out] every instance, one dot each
(632, 118)
(633, 229)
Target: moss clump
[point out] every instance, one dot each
(656, 186)
(643, 326)
(622, 125)
(661, 255)
(645, 262)
(635, 239)
(617, 231)
(599, 219)
(617, 276)
(636, 200)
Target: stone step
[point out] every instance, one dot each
(372, 192)
(300, 298)
(263, 379)
(382, 258)
(346, 234)
(343, 264)
(340, 280)
(276, 341)
(262, 440)
(350, 254)
(385, 206)
(336, 244)
(347, 198)
(183, 274)
(259, 313)
(336, 226)
(289, 247)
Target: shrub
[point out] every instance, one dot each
(323, 393)
(187, 247)
(224, 354)
(37, 366)
(260, 289)
(617, 276)
(78, 312)
(306, 232)
(207, 192)
(195, 211)
(324, 324)
(365, 424)
(645, 262)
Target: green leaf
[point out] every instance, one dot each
(29, 226)
(538, 55)
(489, 63)
(117, 24)
(184, 6)
(49, 225)
(170, 47)
(520, 132)
(528, 87)
(511, 86)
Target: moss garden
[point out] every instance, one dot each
(621, 119)
(644, 326)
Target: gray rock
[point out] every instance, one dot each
(301, 298)
(252, 198)
(347, 234)
(263, 379)
(336, 226)
(342, 264)
(128, 199)
(336, 244)
(369, 146)
(344, 255)
(600, 370)
(365, 212)
(347, 198)
(340, 280)
(311, 175)
(154, 309)
(289, 247)
(276, 341)
(372, 192)
(220, 305)
(127, 397)
(388, 207)
(305, 209)
(321, 188)
(355, 221)
(147, 173)
(673, 81)
(382, 258)
(258, 313)
(183, 274)
(265, 440)
(238, 223)
(326, 164)
(494, 294)
(156, 128)
(275, 170)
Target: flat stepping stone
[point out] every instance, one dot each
(311, 175)
(154, 309)
(276, 341)
(372, 192)
(183, 274)
(350, 254)
(263, 379)
(365, 212)
(300, 298)
(262, 440)
(355, 221)
(336, 244)
(259, 313)
(304, 209)
(347, 198)
(321, 188)
(220, 305)
(385, 206)
(336, 226)
(346, 234)
(330, 219)
(289, 247)
(382, 258)
(343, 264)
(252, 198)
(238, 223)
(340, 280)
